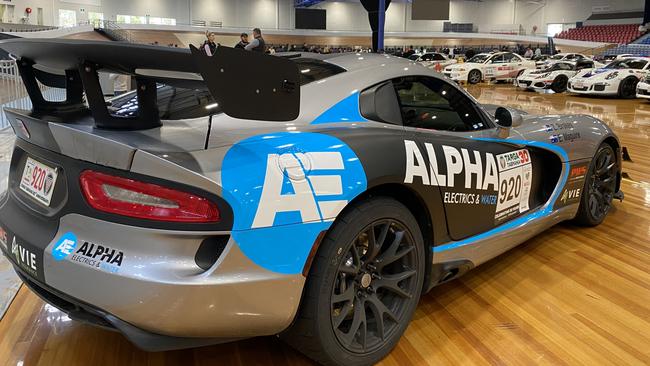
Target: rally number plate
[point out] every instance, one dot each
(38, 181)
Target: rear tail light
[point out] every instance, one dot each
(128, 197)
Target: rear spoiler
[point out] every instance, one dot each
(246, 85)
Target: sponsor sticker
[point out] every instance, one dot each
(515, 179)
(3, 238)
(90, 254)
(285, 189)
(25, 257)
(498, 186)
(573, 189)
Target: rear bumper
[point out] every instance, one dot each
(82, 312)
(159, 290)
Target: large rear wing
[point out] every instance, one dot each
(246, 85)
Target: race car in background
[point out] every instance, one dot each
(496, 66)
(643, 88)
(570, 57)
(433, 59)
(619, 78)
(183, 217)
(555, 77)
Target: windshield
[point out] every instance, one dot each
(414, 57)
(627, 64)
(559, 66)
(479, 59)
(557, 57)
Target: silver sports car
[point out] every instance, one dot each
(312, 196)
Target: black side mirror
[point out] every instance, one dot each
(508, 118)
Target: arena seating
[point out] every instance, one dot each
(613, 33)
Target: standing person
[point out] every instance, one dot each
(209, 46)
(257, 44)
(243, 41)
(538, 51)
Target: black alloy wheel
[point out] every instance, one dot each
(600, 186)
(363, 285)
(627, 89)
(559, 85)
(375, 283)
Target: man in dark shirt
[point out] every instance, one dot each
(243, 41)
(257, 44)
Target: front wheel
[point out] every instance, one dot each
(600, 186)
(363, 286)
(559, 85)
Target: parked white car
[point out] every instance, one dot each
(571, 57)
(619, 78)
(431, 59)
(554, 77)
(643, 88)
(489, 66)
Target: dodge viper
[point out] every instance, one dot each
(489, 66)
(619, 78)
(314, 197)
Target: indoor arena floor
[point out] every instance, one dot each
(570, 296)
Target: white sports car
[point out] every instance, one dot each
(554, 77)
(431, 59)
(643, 88)
(618, 78)
(571, 57)
(489, 66)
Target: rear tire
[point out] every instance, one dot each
(474, 77)
(560, 83)
(627, 88)
(600, 186)
(363, 286)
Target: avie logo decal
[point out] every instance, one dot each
(285, 188)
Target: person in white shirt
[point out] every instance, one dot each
(120, 83)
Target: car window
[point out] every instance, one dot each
(427, 57)
(432, 103)
(628, 64)
(560, 66)
(498, 59)
(510, 57)
(438, 57)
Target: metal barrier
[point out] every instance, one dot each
(13, 93)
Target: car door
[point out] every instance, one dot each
(482, 183)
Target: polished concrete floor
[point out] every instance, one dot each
(571, 296)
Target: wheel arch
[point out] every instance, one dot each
(615, 144)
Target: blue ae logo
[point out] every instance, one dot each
(64, 246)
(285, 188)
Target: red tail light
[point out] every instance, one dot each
(132, 198)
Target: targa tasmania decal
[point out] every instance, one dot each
(285, 188)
